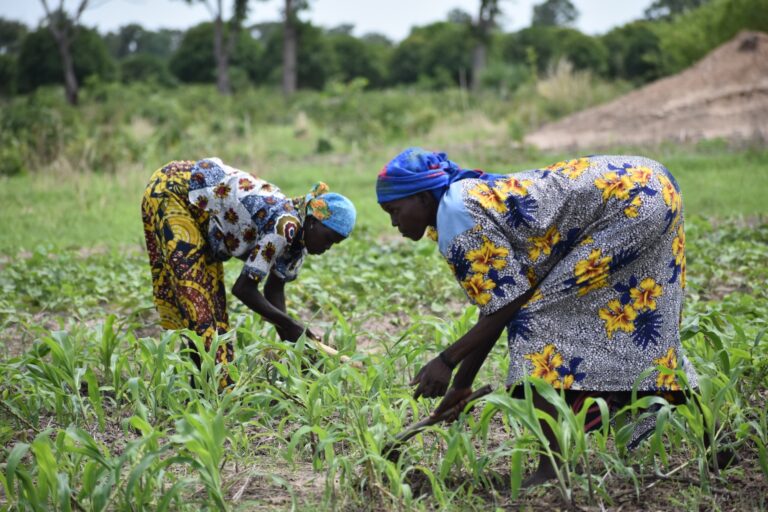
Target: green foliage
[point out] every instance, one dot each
(133, 39)
(666, 9)
(434, 54)
(7, 75)
(11, 35)
(194, 61)
(690, 36)
(103, 418)
(633, 52)
(39, 61)
(145, 68)
(554, 13)
(551, 44)
(358, 59)
(316, 61)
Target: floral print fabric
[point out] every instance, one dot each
(187, 284)
(250, 219)
(602, 239)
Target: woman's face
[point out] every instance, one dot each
(411, 215)
(318, 238)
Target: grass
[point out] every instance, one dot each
(97, 412)
(99, 409)
(87, 210)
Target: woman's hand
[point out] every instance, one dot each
(294, 331)
(432, 379)
(290, 331)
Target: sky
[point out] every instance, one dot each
(393, 18)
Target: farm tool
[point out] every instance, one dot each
(322, 347)
(392, 450)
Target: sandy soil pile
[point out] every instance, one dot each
(725, 95)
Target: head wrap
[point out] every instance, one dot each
(332, 210)
(417, 170)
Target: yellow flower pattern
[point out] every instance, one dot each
(618, 317)
(477, 288)
(645, 295)
(489, 197)
(614, 185)
(631, 211)
(545, 363)
(678, 251)
(663, 380)
(543, 244)
(512, 186)
(488, 256)
(671, 197)
(592, 273)
(571, 168)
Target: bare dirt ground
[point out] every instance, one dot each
(725, 95)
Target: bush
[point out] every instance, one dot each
(633, 52)
(146, 68)
(7, 75)
(552, 44)
(690, 36)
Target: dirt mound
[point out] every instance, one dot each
(724, 95)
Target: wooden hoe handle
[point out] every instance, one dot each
(390, 449)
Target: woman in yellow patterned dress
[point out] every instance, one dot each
(582, 262)
(198, 214)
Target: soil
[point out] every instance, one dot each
(723, 96)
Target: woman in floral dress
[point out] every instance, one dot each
(198, 214)
(583, 262)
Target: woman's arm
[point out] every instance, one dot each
(248, 292)
(471, 350)
(274, 292)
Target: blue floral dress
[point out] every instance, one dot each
(250, 219)
(602, 240)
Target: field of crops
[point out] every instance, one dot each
(97, 411)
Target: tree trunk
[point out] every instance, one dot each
(71, 87)
(63, 37)
(221, 56)
(63, 42)
(478, 65)
(289, 50)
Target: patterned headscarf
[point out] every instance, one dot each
(332, 210)
(417, 170)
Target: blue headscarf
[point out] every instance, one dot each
(331, 209)
(417, 170)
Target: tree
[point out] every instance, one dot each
(39, 62)
(62, 29)
(222, 50)
(291, 10)
(356, 58)
(134, 39)
(315, 61)
(667, 9)
(437, 53)
(549, 44)
(481, 30)
(145, 67)
(554, 13)
(633, 52)
(11, 35)
(194, 61)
